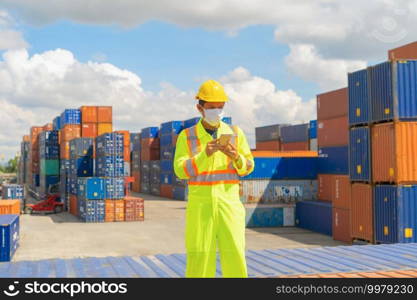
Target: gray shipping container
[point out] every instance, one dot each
(268, 133)
(294, 133)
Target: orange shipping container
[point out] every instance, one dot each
(134, 209)
(9, 207)
(408, 51)
(126, 155)
(126, 137)
(89, 114)
(104, 114)
(394, 148)
(341, 225)
(268, 146)
(119, 210)
(341, 192)
(64, 150)
(136, 183)
(166, 191)
(104, 128)
(69, 132)
(109, 210)
(89, 130)
(332, 104)
(325, 187)
(73, 209)
(26, 138)
(333, 132)
(362, 212)
(298, 146)
(47, 127)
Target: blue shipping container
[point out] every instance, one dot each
(48, 137)
(284, 168)
(191, 122)
(91, 211)
(70, 116)
(359, 98)
(46, 181)
(173, 127)
(333, 160)
(110, 166)
(315, 216)
(13, 191)
(82, 167)
(393, 90)
(167, 152)
(167, 140)
(166, 178)
(395, 213)
(360, 167)
(149, 132)
(313, 129)
(135, 141)
(114, 188)
(110, 144)
(294, 133)
(179, 193)
(91, 188)
(269, 215)
(167, 166)
(9, 236)
(81, 147)
(73, 184)
(56, 124)
(49, 151)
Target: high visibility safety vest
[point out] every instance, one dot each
(204, 173)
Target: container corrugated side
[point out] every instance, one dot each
(381, 92)
(9, 236)
(359, 97)
(268, 133)
(360, 154)
(294, 133)
(333, 132)
(312, 130)
(332, 104)
(342, 192)
(269, 215)
(325, 187)
(315, 216)
(341, 225)
(333, 160)
(408, 51)
(277, 191)
(362, 208)
(396, 213)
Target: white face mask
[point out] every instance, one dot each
(213, 116)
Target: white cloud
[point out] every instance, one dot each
(305, 62)
(33, 90)
(9, 38)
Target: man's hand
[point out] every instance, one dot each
(212, 147)
(230, 150)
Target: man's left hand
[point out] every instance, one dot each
(231, 151)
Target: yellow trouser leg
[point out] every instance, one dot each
(231, 237)
(200, 239)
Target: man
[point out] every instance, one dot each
(214, 212)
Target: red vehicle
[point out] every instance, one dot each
(51, 204)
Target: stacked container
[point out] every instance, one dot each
(268, 138)
(295, 137)
(126, 152)
(34, 156)
(149, 151)
(49, 160)
(168, 139)
(90, 196)
(135, 161)
(13, 191)
(9, 236)
(70, 128)
(24, 160)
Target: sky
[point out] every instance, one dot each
(147, 59)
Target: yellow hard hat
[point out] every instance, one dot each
(211, 91)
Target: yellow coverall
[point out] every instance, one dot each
(214, 211)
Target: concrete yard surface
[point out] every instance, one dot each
(64, 236)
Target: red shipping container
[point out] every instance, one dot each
(134, 209)
(73, 205)
(341, 225)
(268, 146)
(166, 191)
(136, 183)
(298, 146)
(89, 130)
(89, 114)
(333, 132)
(341, 192)
(362, 212)
(149, 154)
(325, 187)
(408, 51)
(105, 114)
(152, 143)
(332, 104)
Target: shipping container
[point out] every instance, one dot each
(145, 187)
(269, 145)
(110, 144)
(80, 147)
(9, 236)
(297, 146)
(284, 168)
(269, 215)
(103, 128)
(315, 216)
(333, 160)
(168, 140)
(165, 166)
(326, 183)
(179, 193)
(167, 153)
(134, 209)
(91, 211)
(10, 207)
(110, 166)
(89, 114)
(166, 191)
(312, 129)
(49, 166)
(13, 191)
(119, 210)
(268, 133)
(73, 208)
(360, 161)
(277, 191)
(391, 91)
(149, 143)
(341, 225)
(191, 122)
(105, 114)
(362, 217)
(405, 52)
(56, 124)
(109, 210)
(69, 132)
(394, 150)
(294, 133)
(395, 213)
(82, 166)
(136, 183)
(341, 192)
(91, 188)
(149, 133)
(155, 189)
(313, 145)
(114, 188)
(332, 104)
(359, 98)
(135, 141)
(149, 154)
(172, 127)
(70, 116)
(333, 132)
(89, 130)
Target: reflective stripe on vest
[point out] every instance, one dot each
(212, 178)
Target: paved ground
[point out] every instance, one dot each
(63, 236)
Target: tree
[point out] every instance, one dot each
(11, 166)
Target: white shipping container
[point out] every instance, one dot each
(277, 191)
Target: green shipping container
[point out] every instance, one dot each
(49, 167)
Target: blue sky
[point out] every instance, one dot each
(159, 51)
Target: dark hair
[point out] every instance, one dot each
(201, 102)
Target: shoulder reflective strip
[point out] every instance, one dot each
(198, 145)
(186, 169)
(213, 182)
(190, 149)
(193, 141)
(215, 177)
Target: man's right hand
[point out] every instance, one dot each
(212, 147)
